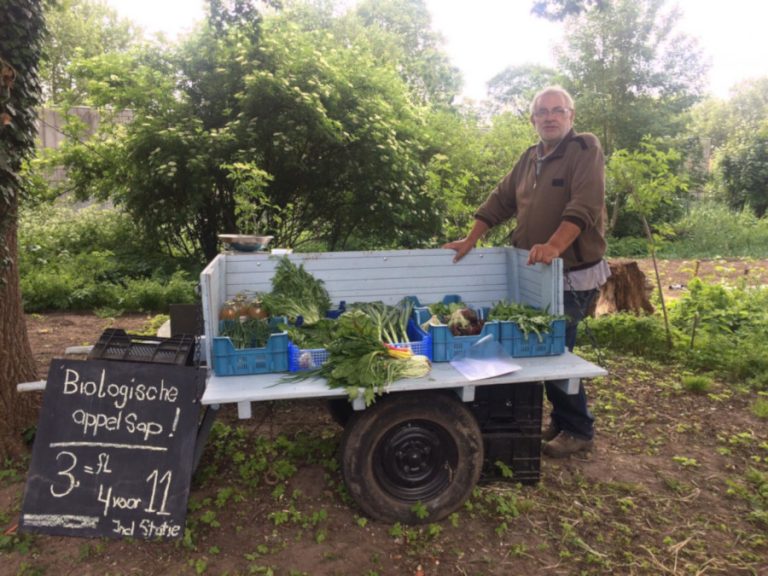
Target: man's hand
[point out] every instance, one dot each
(462, 248)
(558, 243)
(543, 253)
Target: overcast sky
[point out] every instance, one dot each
(485, 36)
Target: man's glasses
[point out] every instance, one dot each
(556, 112)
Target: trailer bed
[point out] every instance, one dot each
(242, 390)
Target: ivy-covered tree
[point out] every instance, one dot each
(23, 25)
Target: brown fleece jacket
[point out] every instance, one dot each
(569, 185)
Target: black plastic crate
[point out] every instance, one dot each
(117, 344)
(186, 319)
(519, 452)
(509, 416)
(509, 407)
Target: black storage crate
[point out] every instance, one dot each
(117, 344)
(509, 416)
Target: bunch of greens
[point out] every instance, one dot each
(309, 336)
(359, 359)
(295, 292)
(391, 322)
(529, 320)
(444, 311)
(248, 333)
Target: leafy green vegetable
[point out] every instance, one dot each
(249, 333)
(391, 321)
(317, 335)
(528, 319)
(357, 358)
(444, 311)
(296, 292)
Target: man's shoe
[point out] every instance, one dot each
(550, 432)
(565, 445)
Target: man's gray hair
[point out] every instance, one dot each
(553, 90)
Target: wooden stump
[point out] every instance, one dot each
(627, 290)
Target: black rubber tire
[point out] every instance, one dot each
(409, 452)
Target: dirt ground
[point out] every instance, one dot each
(673, 487)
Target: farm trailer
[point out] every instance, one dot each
(427, 441)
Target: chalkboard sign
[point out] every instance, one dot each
(114, 450)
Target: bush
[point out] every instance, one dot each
(697, 384)
(715, 329)
(630, 334)
(628, 247)
(712, 230)
(95, 258)
(151, 295)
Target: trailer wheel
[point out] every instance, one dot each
(411, 452)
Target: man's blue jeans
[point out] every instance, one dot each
(570, 411)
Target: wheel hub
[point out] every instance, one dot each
(414, 461)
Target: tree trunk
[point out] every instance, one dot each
(627, 290)
(23, 26)
(17, 364)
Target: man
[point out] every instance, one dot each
(557, 192)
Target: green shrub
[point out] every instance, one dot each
(760, 408)
(628, 247)
(95, 258)
(152, 295)
(697, 384)
(712, 229)
(724, 329)
(628, 333)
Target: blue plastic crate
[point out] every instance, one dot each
(445, 346)
(421, 312)
(517, 345)
(230, 361)
(307, 358)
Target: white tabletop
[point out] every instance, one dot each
(259, 387)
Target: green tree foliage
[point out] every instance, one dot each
(630, 72)
(402, 31)
(79, 29)
(743, 167)
(471, 159)
(341, 140)
(736, 129)
(323, 135)
(560, 9)
(642, 183)
(514, 87)
(719, 120)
